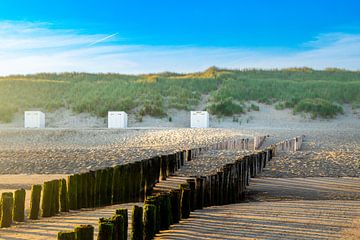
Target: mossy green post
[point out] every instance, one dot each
(125, 183)
(6, 209)
(137, 231)
(165, 212)
(116, 184)
(80, 190)
(56, 197)
(144, 171)
(35, 202)
(119, 227)
(124, 213)
(185, 201)
(175, 195)
(135, 181)
(53, 199)
(109, 185)
(84, 190)
(91, 189)
(47, 199)
(19, 205)
(192, 185)
(130, 175)
(103, 189)
(105, 231)
(84, 232)
(149, 221)
(122, 182)
(72, 192)
(97, 190)
(66, 235)
(155, 200)
(118, 224)
(163, 169)
(64, 197)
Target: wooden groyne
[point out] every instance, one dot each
(138, 181)
(226, 186)
(124, 183)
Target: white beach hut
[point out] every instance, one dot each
(199, 119)
(34, 119)
(117, 119)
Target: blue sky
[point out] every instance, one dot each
(152, 36)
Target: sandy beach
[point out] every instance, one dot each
(331, 150)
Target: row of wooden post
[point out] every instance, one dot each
(120, 184)
(293, 144)
(12, 207)
(114, 228)
(227, 186)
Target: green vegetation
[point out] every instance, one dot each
(225, 107)
(154, 94)
(318, 107)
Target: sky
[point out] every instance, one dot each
(182, 36)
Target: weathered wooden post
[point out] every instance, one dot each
(79, 191)
(137, 232)
(55, 208)
(106, 230)
(192, 186)
(6, 205)
(66, 235)
(91, 185)
(155, 200)
(185, 201)
(72, 191)
(116, 184)
(64, 197)
(143, 180)
(199, 192)
(207, 191)
(35, 202)
(165, 211)
(108, 198)
(19, 205)
(163, 173)
(84, 232)
(85, 190)
(103, 187)
(189, 155)
(124, 213)
(119, 227)
(175, 196)
(117, 221)
(149, 221)
(220, 186)
(47, 200)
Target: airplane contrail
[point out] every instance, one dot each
(103, 39)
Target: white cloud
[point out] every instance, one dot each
(37, 47)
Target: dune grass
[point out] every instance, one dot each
(302, 89)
